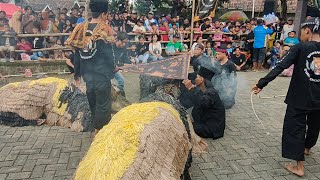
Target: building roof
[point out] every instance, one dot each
(39, 5)
(246, 5)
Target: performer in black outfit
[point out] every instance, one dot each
(94, 61)
(303, 98)
(208, 110)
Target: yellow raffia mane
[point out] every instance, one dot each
(61, 84)
(115, 147)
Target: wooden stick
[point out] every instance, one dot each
(45, 73)
(192, 22)
(43, 35)
(130, 34)
(86, 13)
(45, 49)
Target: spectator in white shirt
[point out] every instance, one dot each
(155, 49)
(139, 29)
(199, 40)
(286, 29)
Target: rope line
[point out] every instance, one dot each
(255, 113)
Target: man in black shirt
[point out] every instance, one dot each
(130, 22)
(303, 97)
(74, 16)
(239, 60)
(206, 27)
(143, 50)
(208, 111)
(62, 22)
(225, 82)
(94, 61)
(121, 58)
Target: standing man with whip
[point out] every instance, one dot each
(303, 98)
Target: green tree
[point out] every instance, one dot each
(143, 6)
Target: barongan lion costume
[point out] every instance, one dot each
(149, 140)
(50, 99)
(23, 103)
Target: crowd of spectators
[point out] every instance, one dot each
(152, 37)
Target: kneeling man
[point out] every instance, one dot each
(208, 112)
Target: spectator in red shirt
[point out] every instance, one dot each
(164, 28)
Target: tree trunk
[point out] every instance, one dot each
(284, 9)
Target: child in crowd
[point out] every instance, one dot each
(116, 29)
(209, 51)
(143, 50)
(218, 38)
(7, 44)
(25, 46)
(139, 29)
(133, 55)
(37, 43)
(291, 40)
(58, 54)
(164, 28)
(67, 28)
(154, 30)
(173, 31)
(275, 54)
(229, 49)
(197, 30)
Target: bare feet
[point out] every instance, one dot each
(307, 151)
(297, 170)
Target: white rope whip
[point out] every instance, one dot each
(255, 113)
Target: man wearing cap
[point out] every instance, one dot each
(303, 97)
(94, 61)
(150, 20)
(208, 112)
(225, 82)
(174, 46)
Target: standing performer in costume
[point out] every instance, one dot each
(208, 111)
(94, 61)
(303, 98)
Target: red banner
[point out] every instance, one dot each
(176, 67)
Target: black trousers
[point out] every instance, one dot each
(296, 136)
(99, 97)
